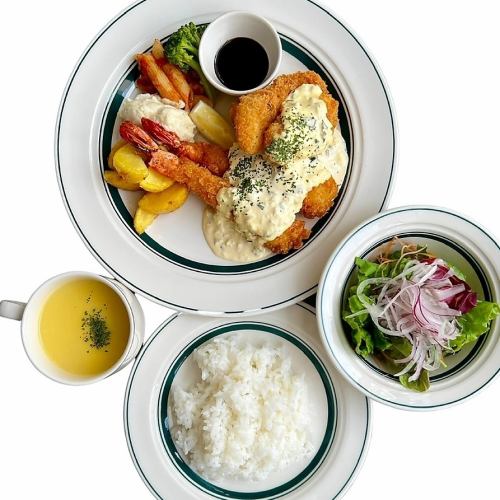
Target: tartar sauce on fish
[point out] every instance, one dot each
(227, 242)
(267, 191)
(306, 131)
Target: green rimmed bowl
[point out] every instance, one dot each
(340, 414)
(448, 235)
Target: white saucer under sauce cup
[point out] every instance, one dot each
(233, 25)
(29, 315)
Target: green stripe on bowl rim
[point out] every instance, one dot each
(203, 484)
(324, 329)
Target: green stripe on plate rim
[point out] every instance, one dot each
(485, 288)
(126, 401)
(73, 218)
(123, 89)
(130, 446)
(478, 267)
(204, 484)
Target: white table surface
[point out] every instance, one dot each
(441, 61)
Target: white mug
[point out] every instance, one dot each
(29, 314)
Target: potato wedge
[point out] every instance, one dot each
(115, 179)
(149, 67)
(129, 164)
(165, 201)
(114, 149)
(155, 182)
(143, 219)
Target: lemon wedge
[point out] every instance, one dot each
(212, 125)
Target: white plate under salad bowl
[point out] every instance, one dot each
(341, 414)
(171, 263)
(457, 240)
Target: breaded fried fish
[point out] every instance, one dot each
(320, 199)
(292, 239)
(256, 114)
(206, 185)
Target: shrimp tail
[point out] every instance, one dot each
(208, 155)
(134, 135)
(158, 132)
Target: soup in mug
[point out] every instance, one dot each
(84, 327)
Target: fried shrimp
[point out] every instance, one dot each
(198, 179)
(256, 112)
(178, 168)
(208, 155)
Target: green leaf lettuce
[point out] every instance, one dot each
(474, 323)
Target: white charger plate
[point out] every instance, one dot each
(459, 241)
(341, 415)
(171, 263)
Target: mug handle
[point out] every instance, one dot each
(12, 309)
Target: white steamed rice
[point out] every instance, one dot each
(247, 417)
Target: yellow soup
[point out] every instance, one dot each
(84, 327)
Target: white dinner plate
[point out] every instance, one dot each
(171, 263)
(341, 415)
(459, 241)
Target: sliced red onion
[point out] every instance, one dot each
(420, 304)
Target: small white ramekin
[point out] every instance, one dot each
(238, 24)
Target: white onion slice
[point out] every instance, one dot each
(413, 305)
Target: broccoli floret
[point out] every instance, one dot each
(181, 49)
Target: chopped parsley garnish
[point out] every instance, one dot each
(285, 148)
(95, 329)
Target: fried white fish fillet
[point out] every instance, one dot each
(206, 185)
(257, 121)
(259, 111)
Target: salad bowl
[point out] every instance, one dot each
(467, 248)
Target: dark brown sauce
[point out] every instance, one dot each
(241, 64)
